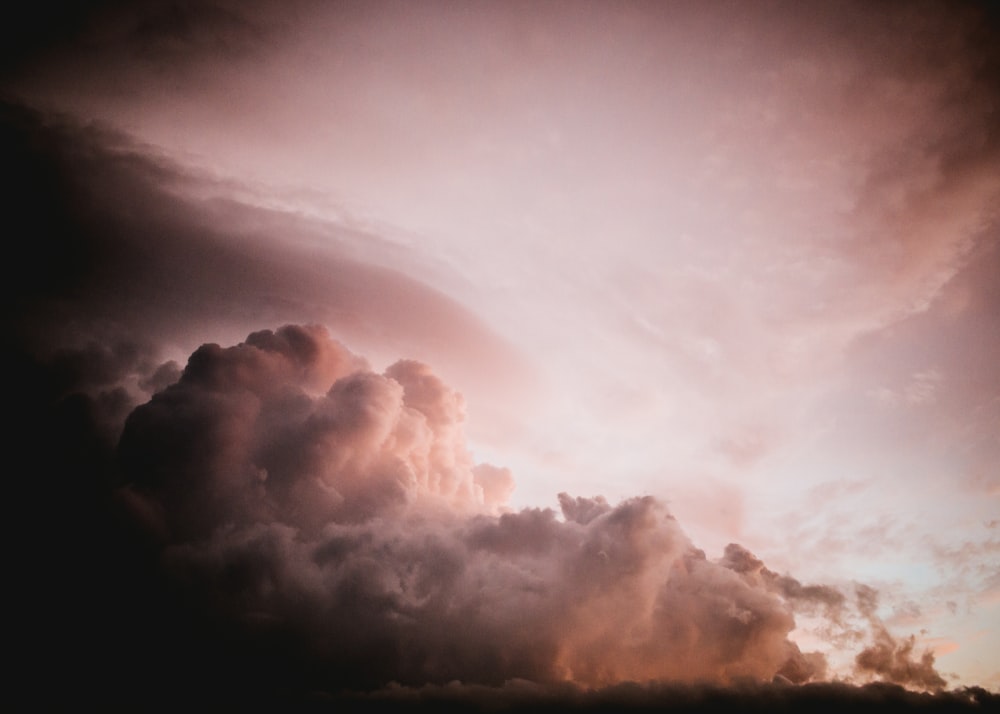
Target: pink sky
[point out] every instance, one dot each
(741, 258)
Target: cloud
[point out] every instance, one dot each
(888, 658)
(893, 660)
(355, 514)
(244, 436)
(296, 496)
(287, 512)
(802, 597)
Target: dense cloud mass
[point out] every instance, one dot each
(255, 433)
(294, 486)
(295, 496)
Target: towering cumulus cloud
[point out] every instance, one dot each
(256, 434)
(297, 495)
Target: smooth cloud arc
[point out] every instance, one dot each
(299, 495)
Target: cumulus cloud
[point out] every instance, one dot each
(300, 497)
(355, 513)
(355, 516)
(290, 426)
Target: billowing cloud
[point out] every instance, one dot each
(354, 513)
(243, 437)
(298, 495)
(803, 597)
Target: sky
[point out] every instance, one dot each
(513, 345)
